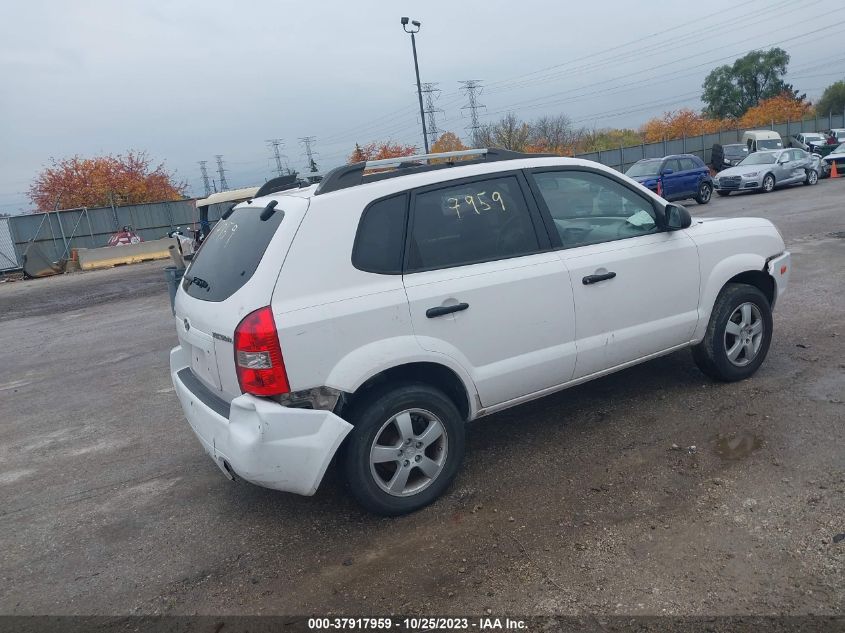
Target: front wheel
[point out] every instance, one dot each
(738, 335)
(705, 192)
(768, 183)
(812, 177)
(405, 449)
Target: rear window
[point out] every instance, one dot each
(230, 254)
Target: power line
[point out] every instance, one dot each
(206, 185)
(224, 186)
(307, 141)
(276, 144)
(472, 88)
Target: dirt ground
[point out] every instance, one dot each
(591, 501)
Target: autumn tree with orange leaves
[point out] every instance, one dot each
(681, 123)
(378, 150)
(96, 182)
(783, 107)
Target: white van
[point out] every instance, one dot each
(756, 140)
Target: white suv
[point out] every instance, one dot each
(370, 317)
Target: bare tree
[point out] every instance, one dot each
(552, 133)
(511, 133)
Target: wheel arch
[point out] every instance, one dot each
(428, 372)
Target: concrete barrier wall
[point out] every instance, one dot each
(108, 256)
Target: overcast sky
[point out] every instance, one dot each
(185, 80)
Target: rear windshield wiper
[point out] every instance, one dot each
(202, 283)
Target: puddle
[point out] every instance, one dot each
(738, 446)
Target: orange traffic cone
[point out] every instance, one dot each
(833, 172)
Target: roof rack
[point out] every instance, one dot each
(352, 175)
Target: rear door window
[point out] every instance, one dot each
(471, 222)
(381, 237)
(687, 164)
(230, 254)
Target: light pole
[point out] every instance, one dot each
(415, 28)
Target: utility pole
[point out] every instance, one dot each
(276, 144)
(224, 186)
(415, 28)
(431, 93)
(309, 152)
(472, 88)
(205, 183)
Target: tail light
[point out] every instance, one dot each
(258, 355)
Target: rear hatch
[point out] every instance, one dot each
(233, 273)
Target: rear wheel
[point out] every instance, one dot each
(705, 192)
(738, 335)
(405, 449)
(812, 177)
(768, 183)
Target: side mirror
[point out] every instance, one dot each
(677, 217)
(783, 159)
(668, 171)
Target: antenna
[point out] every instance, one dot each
(224, 186)
(472, 88)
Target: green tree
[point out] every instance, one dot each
(730, 90)
(832, 99)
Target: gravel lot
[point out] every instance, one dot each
(573, 504)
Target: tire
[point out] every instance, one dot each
(768, 184)
(727, 356)
(724, 194)
(402, 418)
(705, 192)
(812, 177)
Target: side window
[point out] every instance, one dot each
(589, 208)
(687, 164)
(476, 221)
(381, 237)
(672, 164)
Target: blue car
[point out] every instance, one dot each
(680, 176)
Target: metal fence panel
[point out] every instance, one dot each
(8, 256)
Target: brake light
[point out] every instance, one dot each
(258, 355)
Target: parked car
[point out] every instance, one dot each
(681, 176)
(836, 136)
(836, 156)
(759, 140)
(724, 156)
(806, 140)
(369, 317)
(765, 170)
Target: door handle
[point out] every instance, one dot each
(441, 310)
(592, 279)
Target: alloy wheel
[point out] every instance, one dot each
(744, 334)
(408, 452)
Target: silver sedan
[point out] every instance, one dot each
(763, 171)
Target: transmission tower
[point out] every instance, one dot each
(307, 142)
(472, 88)
(277, 144)
(205, 182)
(431, 93)
(224, 186)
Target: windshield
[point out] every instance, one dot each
(769, 143)
(760, 158)
(230, 254)
(813, 137)
(644, 168)
(735, 151)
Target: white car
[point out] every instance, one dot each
(369, 318)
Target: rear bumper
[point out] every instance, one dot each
(261, 441)
(779, 268)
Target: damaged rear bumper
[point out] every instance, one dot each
(259, 440)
